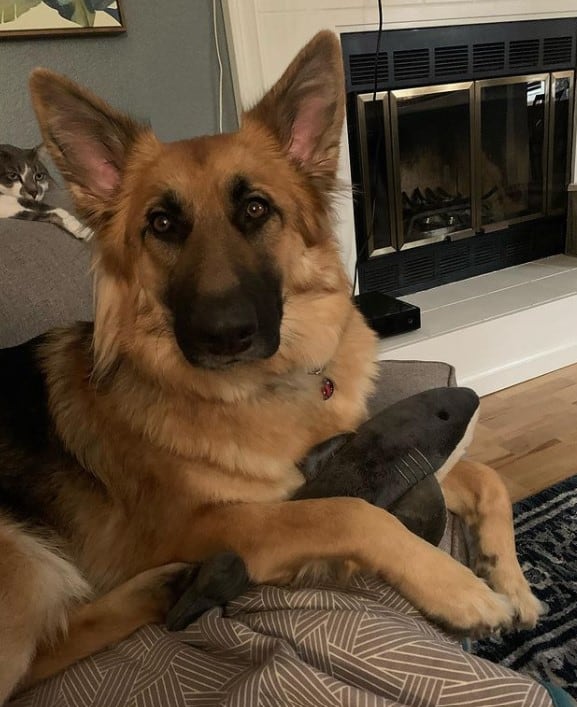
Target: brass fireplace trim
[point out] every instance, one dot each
(555, 75)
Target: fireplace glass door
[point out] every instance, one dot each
(513, 115)
(450, 161)
(375, 152)
(432, 162)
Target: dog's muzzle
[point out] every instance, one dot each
(242, 324)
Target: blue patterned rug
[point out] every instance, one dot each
(546, 535)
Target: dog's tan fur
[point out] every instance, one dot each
(189, 461)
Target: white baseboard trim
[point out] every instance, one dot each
(498, 353)
(491, 381)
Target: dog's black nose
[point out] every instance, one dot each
(230, 340)
(225, 327)
(215, 330)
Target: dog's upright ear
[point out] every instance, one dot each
(304, 110)
(87, 139)
(90, 143)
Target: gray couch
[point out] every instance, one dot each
(44, 277)
(272, 646)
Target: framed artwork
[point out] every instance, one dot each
(53, 18)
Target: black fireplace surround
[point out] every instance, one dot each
(461, 164)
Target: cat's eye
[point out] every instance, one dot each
(40, 176)
(13, 176)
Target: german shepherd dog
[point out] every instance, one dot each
(170, 429)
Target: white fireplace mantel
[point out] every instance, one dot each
(264, 35)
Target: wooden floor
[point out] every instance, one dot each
(529, 432)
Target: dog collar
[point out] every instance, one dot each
(327, 384)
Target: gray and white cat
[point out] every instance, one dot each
(24, 181)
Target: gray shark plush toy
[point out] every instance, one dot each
(395, 461)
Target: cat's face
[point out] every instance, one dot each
(22, 174)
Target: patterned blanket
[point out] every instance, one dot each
(362, 645)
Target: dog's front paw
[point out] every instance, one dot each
(475, 610)
(527, 607)
(461, 603)
(507, 578)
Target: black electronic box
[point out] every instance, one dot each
(388, 315)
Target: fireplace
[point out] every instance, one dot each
(461, 151)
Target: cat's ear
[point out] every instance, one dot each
(40, 156)
(304, 110)
(88, 140)
(38, 152)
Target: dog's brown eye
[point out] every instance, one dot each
(160, 222)
(256, 208)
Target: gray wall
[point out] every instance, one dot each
(163, 69)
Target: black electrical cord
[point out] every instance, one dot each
(373, 182)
